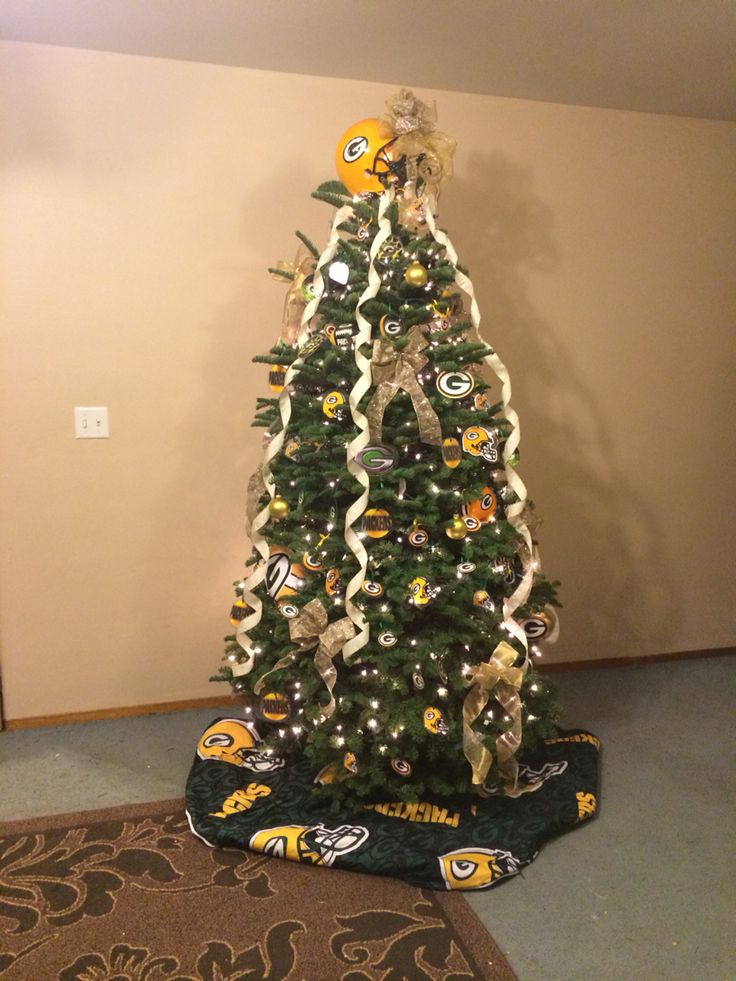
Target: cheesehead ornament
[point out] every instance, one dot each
(362, 155)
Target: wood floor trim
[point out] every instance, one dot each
(224, 701)
(545, 667)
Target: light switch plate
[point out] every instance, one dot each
(91, 422)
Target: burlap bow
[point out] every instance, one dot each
(294, 303)
(313, 629)
(393, 370)
(497, 677)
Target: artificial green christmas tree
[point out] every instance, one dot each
(393, 603)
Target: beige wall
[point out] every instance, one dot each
(142, 201)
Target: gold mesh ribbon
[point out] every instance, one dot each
(313, 629)
(294, 303)
(494, 677)
(393, 370)
(428, 152)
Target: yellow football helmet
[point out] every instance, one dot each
(435, 722)
(317, 845)
(476, 868)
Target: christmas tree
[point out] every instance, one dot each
(393, 603)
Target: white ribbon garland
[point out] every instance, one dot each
(521, 593)
(274, 447)
(357, 392)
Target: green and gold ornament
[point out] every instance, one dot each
(434, 721)
(376, 522)
(333, 405)
(422, 591)
(276, 377)
(274, 707)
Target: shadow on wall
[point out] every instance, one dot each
(603, 538)
(604, 533)
(201, 510)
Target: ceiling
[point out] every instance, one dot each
(664, 56)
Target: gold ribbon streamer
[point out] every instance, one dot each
(495, 676)
(294, 303)
(313, 629)
(428, 152)
(394, 370)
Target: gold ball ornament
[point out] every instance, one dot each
(415, 274)
(278, 508)
(456, 529)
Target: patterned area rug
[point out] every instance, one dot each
(130, 894)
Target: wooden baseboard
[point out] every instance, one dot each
(224, 701)
(547, 667)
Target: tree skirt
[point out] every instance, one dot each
(252, 801)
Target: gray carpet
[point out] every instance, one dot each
(642, 892)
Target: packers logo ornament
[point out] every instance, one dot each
(333, 405)
(377, 459)
(308, 289)
(482, 510)
(372, 588)
(465, 568)
(288, 610)
(376, 522)
(476, 868)
(236, 741)
(363, 157)
(422, 591)
(471, 523)
(434, 721)
(387, 639)
(452, 453)
(418, 537)
(276, 377)
(283, 577)
(275, 707)
(312, 562)
(333, 582)
(455, 384)
(537, 626)
(390, 326)
(417, 681)
(315, 845)
(402, 767)
(479, 441)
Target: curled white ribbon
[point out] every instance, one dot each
(514, 512)
(357, 392)
(274, 446)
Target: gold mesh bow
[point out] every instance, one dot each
(303, 266)
(312, 629)
(393, 370)
(494, 677)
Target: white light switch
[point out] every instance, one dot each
(91, 422)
